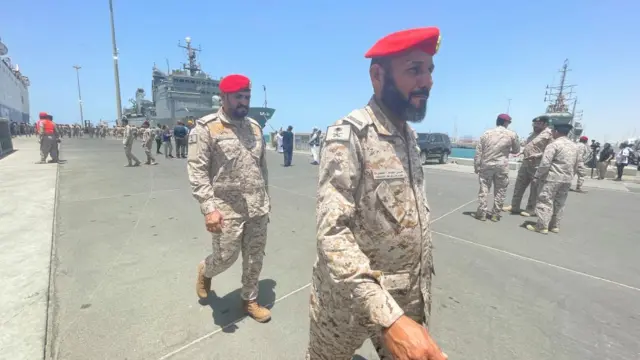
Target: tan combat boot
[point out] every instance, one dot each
(533, 228)
(258, 313)
(203, 283)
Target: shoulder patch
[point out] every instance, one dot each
(338, 133)
(358, 118)
(216, 127)
(193, 138)
(206, 119)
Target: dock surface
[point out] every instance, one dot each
(127, 241)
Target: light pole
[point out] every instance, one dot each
(79, 94)
(115, 65)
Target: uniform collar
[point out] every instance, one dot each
(226, 119)
(381, 121)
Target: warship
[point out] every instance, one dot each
(14, 90)
(559, 99)
(184, 94)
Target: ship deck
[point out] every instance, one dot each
(127, 242)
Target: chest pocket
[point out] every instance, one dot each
(398, 206)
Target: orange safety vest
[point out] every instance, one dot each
(49, 127)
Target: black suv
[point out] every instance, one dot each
(434, 146)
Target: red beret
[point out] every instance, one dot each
(504, 117)
(234, 83)
(426, 39)
(43, 115)
(584, 138)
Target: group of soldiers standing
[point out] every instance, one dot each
(550, 161)
(372, 277)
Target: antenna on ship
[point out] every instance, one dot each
(559, 97)
(193, 66)
(264, 88)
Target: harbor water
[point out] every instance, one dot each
(462, 153)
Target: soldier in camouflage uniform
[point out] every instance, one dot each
(228, 174)
(127, 141)
(148, 135)
(372, 277)
(532, 153)
(559, 163)
(584, 152)
(491, 163)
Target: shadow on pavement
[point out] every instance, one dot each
(228, 309)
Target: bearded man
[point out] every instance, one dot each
(372, 277)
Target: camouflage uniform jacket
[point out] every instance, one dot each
(372, 217)
(560, 161)
(147, 137)
(494, 147)
(534, 148)
(583, 151)
(129, 134)
(227, 166)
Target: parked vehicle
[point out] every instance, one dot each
(434, 146)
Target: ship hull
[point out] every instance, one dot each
(14, 96)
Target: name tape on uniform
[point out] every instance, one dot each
(338, 133)
(193, 138)
(387, 174)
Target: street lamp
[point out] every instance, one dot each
(115, 65)
(79, 93)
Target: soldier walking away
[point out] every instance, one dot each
(127, 141)
(559, 163)
(314, 145)
(491, 163)
(584, 153)
(148, 135)
(372, 276)
(48, 136)
(233, 195)
(532, 153)
(158, 137)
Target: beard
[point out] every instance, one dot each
(240, 111)
(401, 106)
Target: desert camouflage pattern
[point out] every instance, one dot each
(228, 172)
(583, 156)
(227, 166)
(127, 141)
(246, 235)
(559, 163)
(148, 135)
(374, 244)
(532, 154)
(491, 162)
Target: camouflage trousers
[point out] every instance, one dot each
(581, 174)
(246, 235)
(337, 330)
(499, 177)
(523, 180)
(552, 197)
(129, 154)
(147, 151)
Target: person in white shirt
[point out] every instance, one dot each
(622, 159)
(279, 141)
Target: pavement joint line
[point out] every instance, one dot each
(123, 195)
(521, 257)
(61, 335)
(204, 337)
(453, 211)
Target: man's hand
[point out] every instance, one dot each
(408, 340)
(214, 221)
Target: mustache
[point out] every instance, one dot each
(242, 107)
(422, 92)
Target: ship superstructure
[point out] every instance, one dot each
(14, 89)
(183, 94)
(561, 104)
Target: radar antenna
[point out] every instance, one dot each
(559, 97)
(193, 66)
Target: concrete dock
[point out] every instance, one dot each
(126, 242)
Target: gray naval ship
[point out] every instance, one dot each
(14, 90)
(183, 94)
(559, 99)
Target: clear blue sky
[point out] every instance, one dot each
(309, 54)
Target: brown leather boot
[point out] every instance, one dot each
(258, 313)
(203, 283)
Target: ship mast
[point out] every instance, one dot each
(559, 97)
(193, 66)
